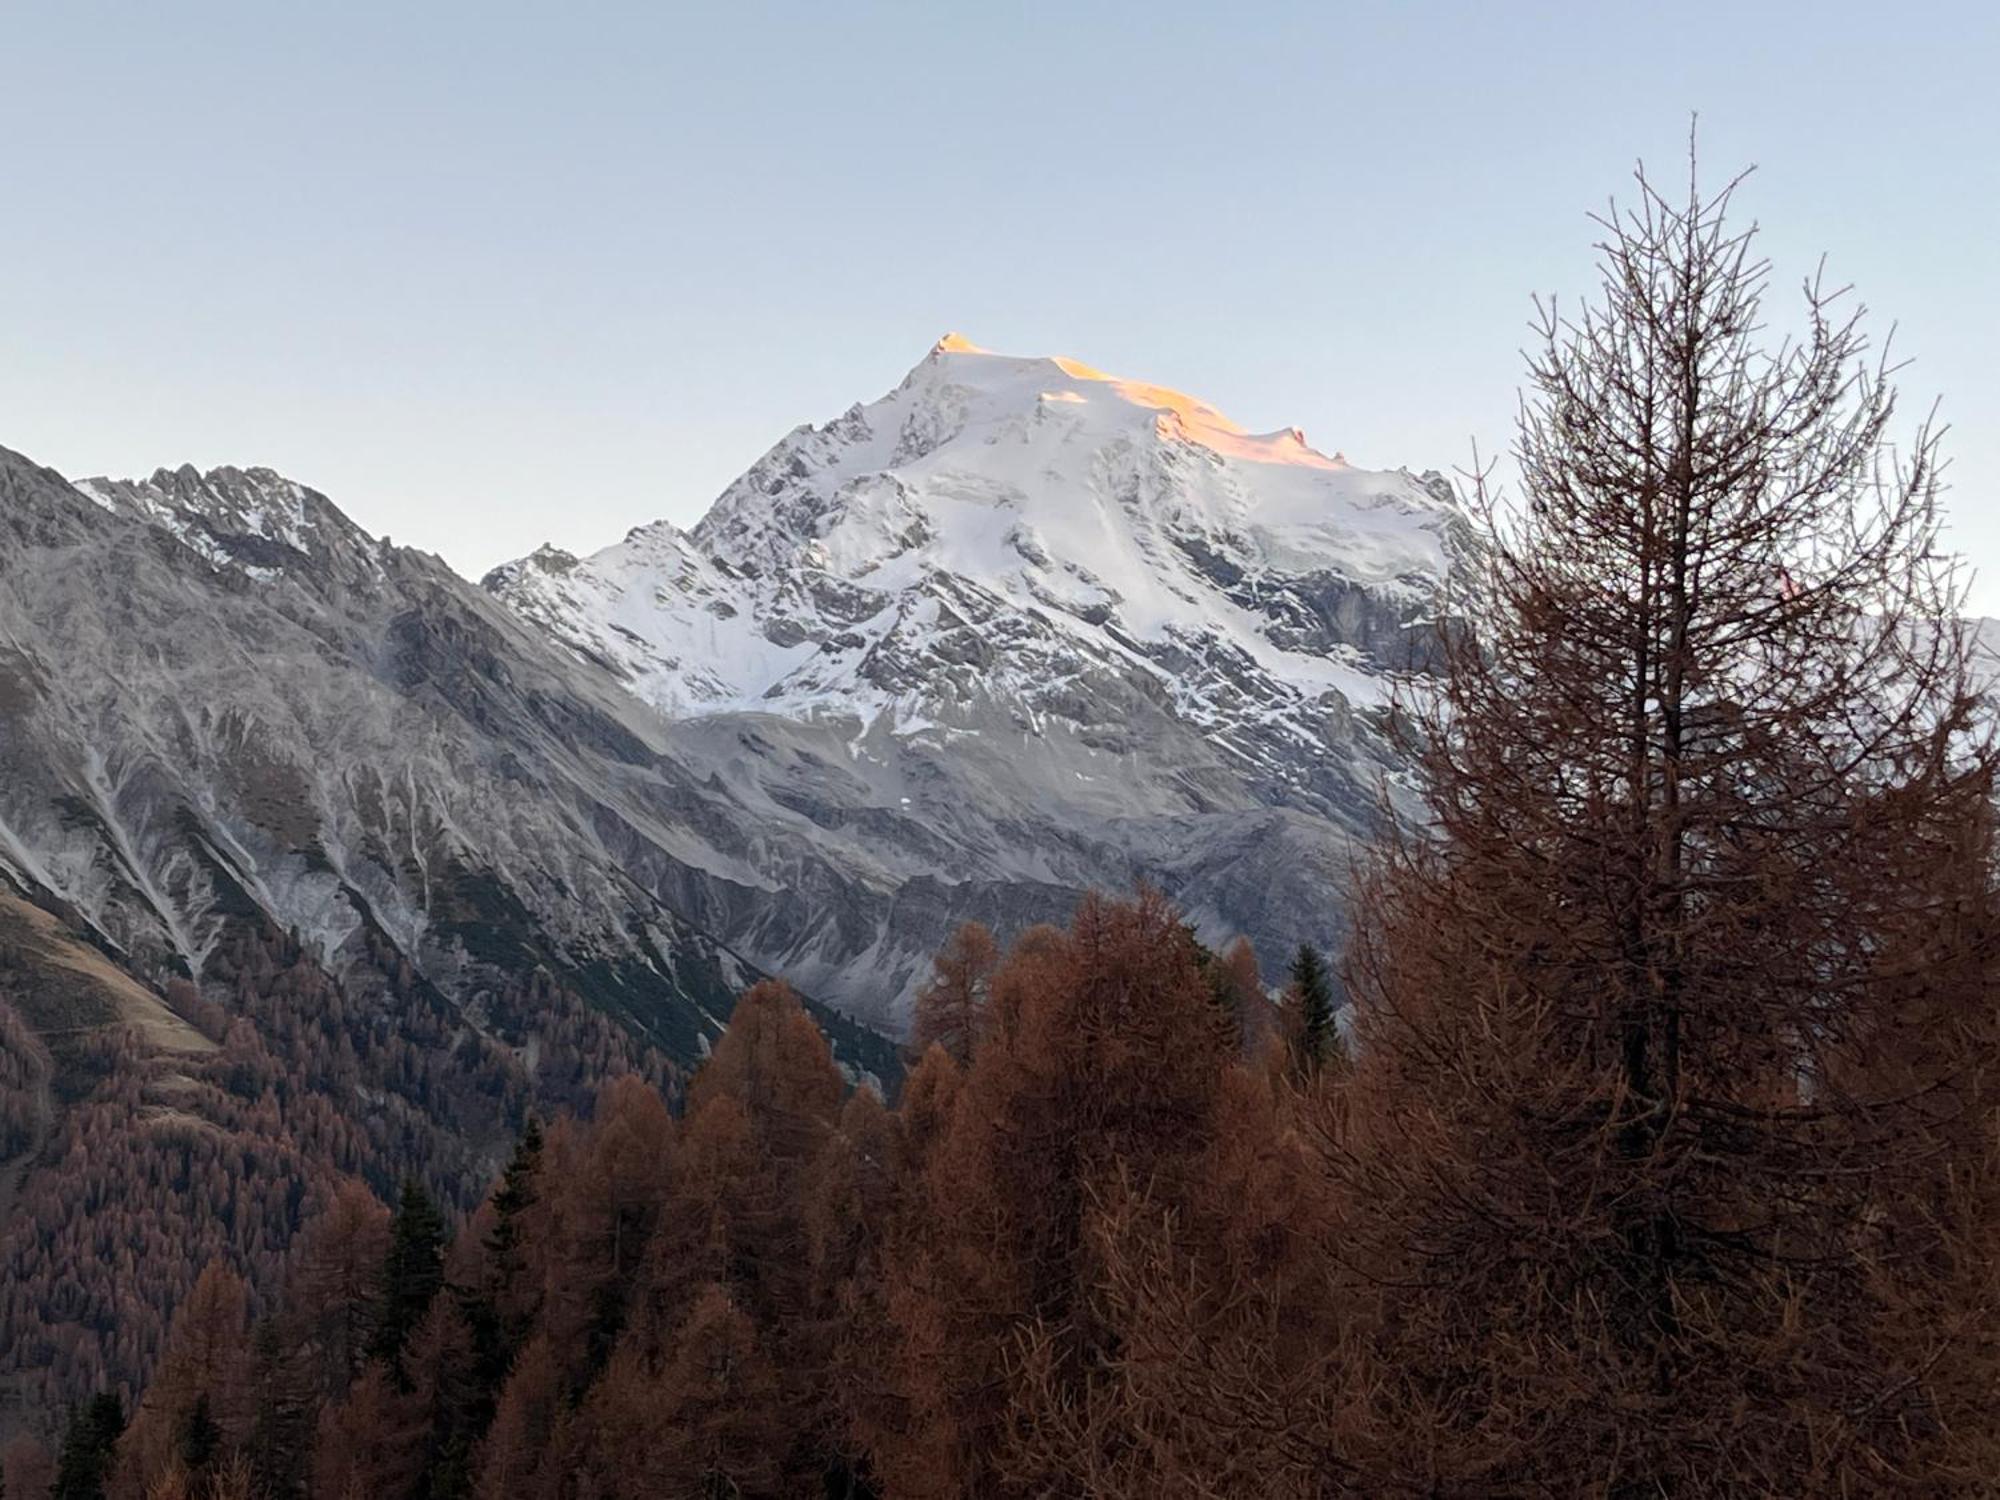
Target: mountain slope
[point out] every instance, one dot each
(223, 696)
(1019, 628)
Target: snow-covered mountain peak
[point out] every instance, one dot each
(997, 526)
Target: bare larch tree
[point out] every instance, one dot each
(1666, 1156)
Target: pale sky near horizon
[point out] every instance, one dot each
(492, 274)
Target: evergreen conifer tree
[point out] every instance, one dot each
(515, 1195)
(500, 1312)
(412, 1273)
(89, 1448)
(1313, 992)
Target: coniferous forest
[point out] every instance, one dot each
(1639, 1141)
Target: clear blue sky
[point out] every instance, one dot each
(496, 273)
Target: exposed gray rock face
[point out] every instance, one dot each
(217, 694)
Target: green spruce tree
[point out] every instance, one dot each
(1318, 1037)
(89, 1446)
(518, 1192)
(500, 1312)
(412, 1273)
